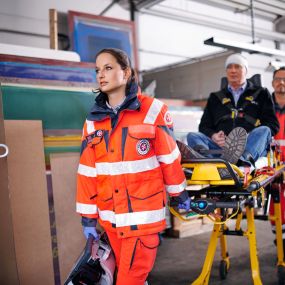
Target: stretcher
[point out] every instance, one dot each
(222, 191)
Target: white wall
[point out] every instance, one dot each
(184, 35)
(32, 16)
(161, 41)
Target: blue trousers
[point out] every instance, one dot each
(257, 144)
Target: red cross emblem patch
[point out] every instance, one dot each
(143, 147)
(168, 118)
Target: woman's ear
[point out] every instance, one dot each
(128, 73)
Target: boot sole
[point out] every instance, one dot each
(234, 145)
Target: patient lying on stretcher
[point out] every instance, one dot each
(233, 151)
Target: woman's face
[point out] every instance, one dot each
(109, 74)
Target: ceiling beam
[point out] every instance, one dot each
(261, 9)
(213, 22)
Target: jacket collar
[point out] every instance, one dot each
(101, 111)
(248, 85)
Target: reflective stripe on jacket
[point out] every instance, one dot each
(280, 136)
(125, 171)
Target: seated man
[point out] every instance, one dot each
(234, 147)
(240, 104)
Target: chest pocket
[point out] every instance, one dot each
(139, 141)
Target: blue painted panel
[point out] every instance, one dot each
(47, 72)
(90, 38)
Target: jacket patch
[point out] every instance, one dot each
(143, 147)
(168, 119)
(96, 134)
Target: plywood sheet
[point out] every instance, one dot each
(70, 239)
(8, 266)
(29, 202)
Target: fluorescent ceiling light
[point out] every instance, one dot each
(274, 65)
(238, 46)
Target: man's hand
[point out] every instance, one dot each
(219, 138)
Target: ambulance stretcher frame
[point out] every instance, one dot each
(242, 193)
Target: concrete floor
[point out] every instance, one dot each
(180, 261)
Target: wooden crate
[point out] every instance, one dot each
(194, 226)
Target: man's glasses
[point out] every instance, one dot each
(279, 79)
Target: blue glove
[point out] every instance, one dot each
(89, 227)
(90, 231)
(186, 205)
(184, 201)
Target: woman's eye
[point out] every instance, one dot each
(97, 71)
(108, 67)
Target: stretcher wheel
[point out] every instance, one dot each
(281, 275)
(223, 270)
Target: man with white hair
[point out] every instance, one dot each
(239, 104)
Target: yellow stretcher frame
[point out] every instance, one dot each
(206, 172)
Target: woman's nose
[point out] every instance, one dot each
(100, 74)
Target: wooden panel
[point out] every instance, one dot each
(29, 202)
(8, 266)
(70, 239)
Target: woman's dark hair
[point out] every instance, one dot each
(123, 60)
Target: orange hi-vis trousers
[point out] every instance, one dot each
(135, 257)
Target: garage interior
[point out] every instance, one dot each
(47, 79)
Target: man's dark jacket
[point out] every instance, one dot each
(217, 117)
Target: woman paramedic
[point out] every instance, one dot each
(129, 160)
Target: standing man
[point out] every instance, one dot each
(239, 104)
(278, 84)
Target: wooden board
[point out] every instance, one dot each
(8, 266)
(194, 226)
(29, 202)
(70, 239)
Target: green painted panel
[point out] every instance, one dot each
(58, 109)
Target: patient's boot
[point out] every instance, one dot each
(246, 160)
(234, 145)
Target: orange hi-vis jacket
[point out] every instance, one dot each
(280, 136)
(128, 162)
